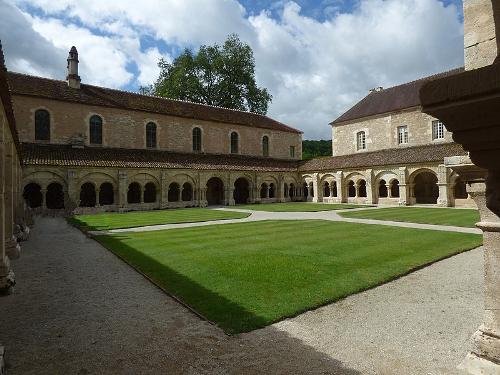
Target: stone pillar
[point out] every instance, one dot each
(341, 193)
(122, 189)
(370, 191)
(280, 193)
(444, 190)
(316, 195)
(164, 190)
(73, 198)
(12, 248)
(404, 187)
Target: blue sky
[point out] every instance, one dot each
(317, 58)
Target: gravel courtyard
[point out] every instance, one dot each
(77, 309)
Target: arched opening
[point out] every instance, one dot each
(285, 190)
(42, 125)
(460, 189)
(265, 146)
(272, 190)
(264, 190)
(333, 189)
(291, 191)
(196, 139)
(151, 135)
(426, 190)
(351, 189)
(326, 189)
(215, 191)
(174, 192)
(187, 192)
(134, 193)
(87, 195)
(150, 193)
(234, 143)
(54, 199)
(32, 194)
(362, 189)
(382, 189)
(106, 194)
(241, 191)
(306, 189)
(311, 188)
(395, 189)
(95, 130)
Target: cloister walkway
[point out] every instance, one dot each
(78, 309)
(322, 215)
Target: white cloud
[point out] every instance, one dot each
(315, 70)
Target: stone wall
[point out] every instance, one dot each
(480, 40)
(126, 129)
(382, 132)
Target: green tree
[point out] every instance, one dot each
(217, 75)
(314, 149)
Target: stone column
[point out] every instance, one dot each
(370, 191)
(203, 197)
(444, 190)
(280, 189)
(164, 190)
(404, 187)
(122, 189)
(73, 190)
(316, 196)
(341, 194)
(12, 248)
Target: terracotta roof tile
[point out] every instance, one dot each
(68, 156)
(394, 156)
(391, 99)
(22, 84)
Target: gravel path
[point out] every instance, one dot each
(264, 215)
(77, 309)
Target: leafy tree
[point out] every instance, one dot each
(314, 149)
(217, 75)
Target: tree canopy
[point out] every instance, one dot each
(314, 149)
(217, 75)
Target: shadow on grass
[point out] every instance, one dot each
(203, 302)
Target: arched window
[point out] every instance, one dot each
(149, 193)
(42, 125)
(382, 189)
(134, 193)
(197, 140)
(151, 135)
(106, 194)
(394, 189)
(285, 190)
(187, 192)
(173, 192)
(326, 189)
(361, 141)
(265, 145)
(333, 189)
(264, 190)
(95, 130)
(54, 199)
(87, 195)
(272, 190)
(305, 189)
(362, 189)
(351, 189)
(234, 143)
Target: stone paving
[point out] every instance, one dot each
(322, 215)
(77, 309)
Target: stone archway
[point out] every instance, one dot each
(241, 191)
(134, 193)
(106, 194)
(54, 198)
(426, 190)
(215, 191)
(150, 193)
(32, 194)
(87, 195)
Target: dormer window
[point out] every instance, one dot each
(437, 130)
(361, 140)
(402, 135)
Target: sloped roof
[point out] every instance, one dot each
(392, 156)
(22, 84)
(68, 156)
(391, 99)
(6, 98)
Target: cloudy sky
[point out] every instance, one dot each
(316, 57)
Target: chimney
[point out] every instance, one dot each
(73, 78)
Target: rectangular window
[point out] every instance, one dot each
(361, 141)
(402, 135)
(292, 151)
(437, 130)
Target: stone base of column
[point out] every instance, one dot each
(203, 203)
(475, 365)
(7, 277)
(2, 361)
(12, 248)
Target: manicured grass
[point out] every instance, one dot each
(107, 221)
(247, 275)
(439, 216)
(297, 207)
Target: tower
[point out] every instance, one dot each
(73, 78)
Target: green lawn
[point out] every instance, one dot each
(247, 275)
(107, 221)
(439, 216)
(297, 207)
